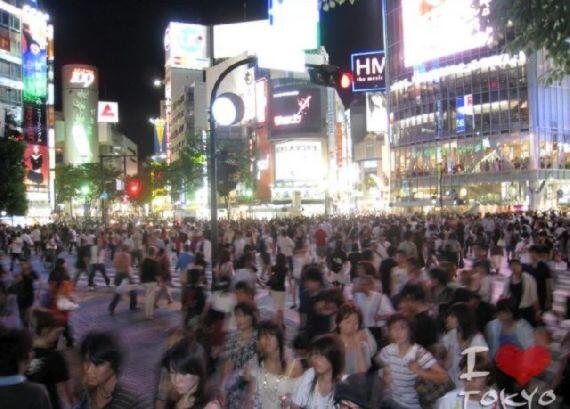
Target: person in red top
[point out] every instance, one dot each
(321, 241)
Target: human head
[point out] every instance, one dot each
(365, 268)
(515, 266)
(313, 278)
(399, 329)
(400, 256)
(246, 315)
(477, 383)
(506, 311)
(412, 297)
(481, 268)
(101, 357)
(270, 340)
(460, 317)
(348, 320)
(327, 354)
(438, 277)
(15, 351)
(186, 364)
(151, 251)
(534, 253)
(244, 292)
(46, 326)
(480, 250)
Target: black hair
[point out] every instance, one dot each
(245, 287)
(44, 319)
(270, 328)
(187, 358)
(301, 341)
(281, 260)
(466, 320)
(414, 292)
(330, 347)
(439, 275)
(313, 272)
(481, 365)
(398, 317)
(347, 310)
(508, 305)
(482, 264)
(194, 276)
(368, 267)
(15, 347)
(248, 308)
(101, 347)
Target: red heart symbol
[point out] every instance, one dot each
(522, 365)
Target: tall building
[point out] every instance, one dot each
(470, 126)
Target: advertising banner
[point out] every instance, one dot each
(186, 46)
(35, 76)
(435, 29)
(37, 165)
(107, 112)
(368, 71)
(295, 109)
(376, 113)
(459, 114)
(159, 136)
(298, 161)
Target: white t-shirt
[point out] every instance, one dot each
(36, 235)
(16, 245)
(307, 396)
(403, 383)
(286, 245)
(372, 305)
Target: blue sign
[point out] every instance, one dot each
(368, 71)
(460, 114)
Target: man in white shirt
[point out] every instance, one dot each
(286, 245)
(16, 247)
(37, 239)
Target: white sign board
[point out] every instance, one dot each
(108, 112)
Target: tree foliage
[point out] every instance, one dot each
(71, 179)
(12, 189)
(186, 173)
(533, 25)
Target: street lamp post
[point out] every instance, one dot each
(212, 167)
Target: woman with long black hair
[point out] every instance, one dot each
(316, 386)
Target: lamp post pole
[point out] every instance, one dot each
(212, 166)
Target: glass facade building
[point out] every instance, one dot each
(475, 128)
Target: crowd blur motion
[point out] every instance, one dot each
(366, 312)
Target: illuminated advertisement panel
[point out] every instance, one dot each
(295, 109)
(186, 46)
(159, 137)
(36, 163)
(231, 40)
(295, 22)
(108, 112)
(299, 161)
(376, 112)
(440, 28)
(80, 97)
(35, 76)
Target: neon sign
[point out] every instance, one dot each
(82, 77)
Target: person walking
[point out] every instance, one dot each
(149, 274)
(123, 280)
(97, 263)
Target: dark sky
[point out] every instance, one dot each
(124, 39)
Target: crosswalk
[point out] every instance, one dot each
(99, 281)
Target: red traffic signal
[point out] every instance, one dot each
(345, 80)
(134, 187)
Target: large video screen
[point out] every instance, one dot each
(440, 28)
(295, 110)
(299, 161)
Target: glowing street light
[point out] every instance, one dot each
(158, 83)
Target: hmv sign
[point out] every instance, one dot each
(368, 71)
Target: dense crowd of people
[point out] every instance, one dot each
(380, 311)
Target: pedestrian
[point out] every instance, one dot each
(16, 391)
(23, 287)
(97, 263)
(149, 274)
(164, 277)
(123, 280)
(16, 248)
(102, 359)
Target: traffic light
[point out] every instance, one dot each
(134, 187)
(330, 76)
(346, 80)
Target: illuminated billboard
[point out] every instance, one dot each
(376, 112)
(295, 109)
(231, 40)
(35, 76)
(186, 46)
(295, 23)
(368, 71)
(80, 98)
(440, 28)
(159, 136)
(36, 163)
(107, 112)
(299, 161)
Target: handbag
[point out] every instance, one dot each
(65, 304)
(429, 392)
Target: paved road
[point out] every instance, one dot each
(143, 340)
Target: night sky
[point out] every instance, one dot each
(124, 39)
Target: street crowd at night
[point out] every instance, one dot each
(360, 312)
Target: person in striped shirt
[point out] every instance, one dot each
(403, 362)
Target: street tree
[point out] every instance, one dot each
(13, 199)
(531, 26)
(186, 173)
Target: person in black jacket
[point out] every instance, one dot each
(149, 274)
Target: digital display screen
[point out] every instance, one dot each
(295, 109)
(441, 28)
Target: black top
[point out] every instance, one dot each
(315, 324)
(150, 270)
(516, 292)
(541, 273)
(386, 267)
(277, 279)
(337, 260)
(424, 330)
(49, 368)
(26, 395)
(25, 289)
